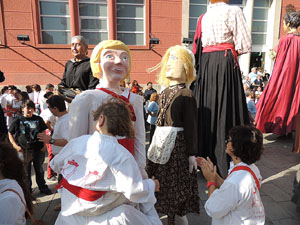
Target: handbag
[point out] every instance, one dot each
(34, 221)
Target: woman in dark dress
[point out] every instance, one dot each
(171, 155)
(278, 106)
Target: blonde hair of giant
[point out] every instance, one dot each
(96, 55)
(188, 59)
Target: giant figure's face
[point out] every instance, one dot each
(175, 67)
(114, 64)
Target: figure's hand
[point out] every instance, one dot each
(192, 163)
(200, 160)
(44, 138)
(210, 164)
(157, 185)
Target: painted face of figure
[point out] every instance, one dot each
(175, 68)
(78, 49)
(114, 64)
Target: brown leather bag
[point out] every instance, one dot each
(34, 221)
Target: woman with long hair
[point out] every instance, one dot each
(12, 176)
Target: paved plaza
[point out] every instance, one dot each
(278, 167)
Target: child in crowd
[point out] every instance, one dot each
(101, 182)
(23, 136)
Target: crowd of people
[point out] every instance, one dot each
(207, 116)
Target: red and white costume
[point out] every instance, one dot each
(105, 185)
(82, 121)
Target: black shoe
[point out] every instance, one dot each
(46, 191)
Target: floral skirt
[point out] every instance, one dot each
(178, 193)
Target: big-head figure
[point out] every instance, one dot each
(111, 63)
(171, 154)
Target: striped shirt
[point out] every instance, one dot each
(225, 24)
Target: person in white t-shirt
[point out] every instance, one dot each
(236, 200)
(60, 136)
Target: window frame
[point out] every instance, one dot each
(260, 20)
(2, 33)
(75, 24)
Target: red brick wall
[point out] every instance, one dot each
(24, 65)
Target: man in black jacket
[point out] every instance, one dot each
(78, 74)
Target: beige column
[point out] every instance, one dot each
(244, 60)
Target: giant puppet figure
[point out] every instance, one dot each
(111, 63)
(278, 106)
(221, 35)
(171, 155)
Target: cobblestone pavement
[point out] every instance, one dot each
(278, 167)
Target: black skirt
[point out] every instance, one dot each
(178, 193)
(221, 105)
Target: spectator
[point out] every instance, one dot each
(135, 87)
(251, 106)
(97, 163)
(152, 111)
(78, 74)
(258, 82)
(29, 90)
(3, 127)
(23, 136)
(50, 121)
(247, 81)
(38, 96)
(236, 200)
(259, 91)
(49, 88)
(253, 74)
(12, 176)
(60, 135)
(149, 91)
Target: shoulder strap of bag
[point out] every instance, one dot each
(27, 210)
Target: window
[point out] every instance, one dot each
(131, 22)
(93, 20)
(197, 8)
(55, 22)
(96, 20)
(260, 22)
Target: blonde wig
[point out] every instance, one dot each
(96, 55)
(183, 54)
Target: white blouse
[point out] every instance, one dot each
(238, 200)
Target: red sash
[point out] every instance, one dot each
(133, 118)
(250, 171)
(83, 193)
(222, 47)
(128, 144)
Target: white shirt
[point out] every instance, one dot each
(223, 23)
(60, 131)
(38, 97)
(98, 162)
(237, 201)
(82, 120)
(48, 116)
(12, 210)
